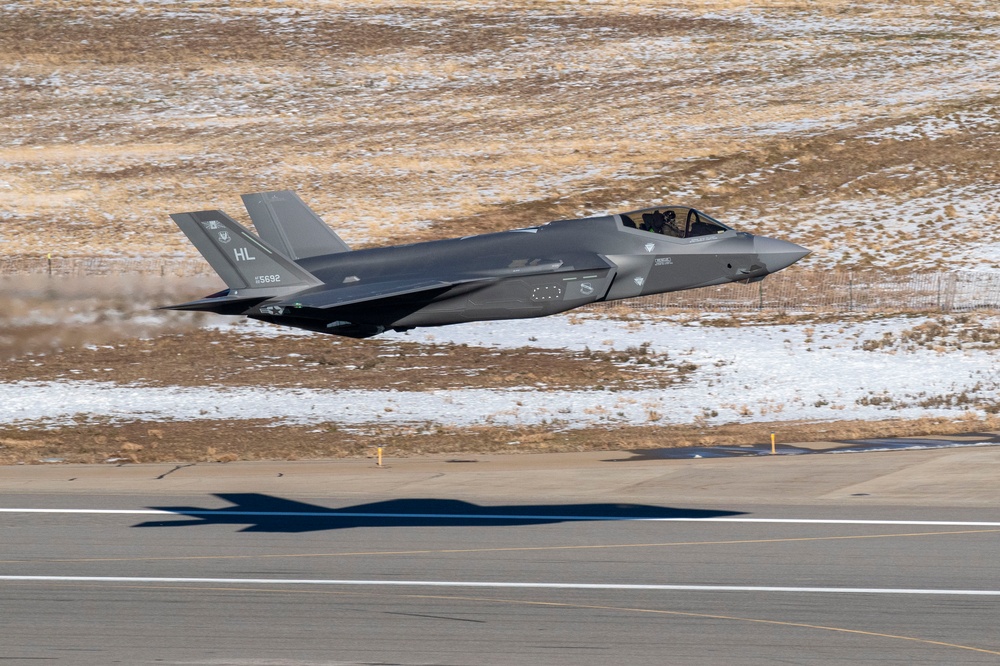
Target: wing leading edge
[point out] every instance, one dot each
(357, 311)
(371, 294)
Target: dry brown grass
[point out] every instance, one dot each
(214, 358)
(215, 441)
(448, 118)
(790, 118)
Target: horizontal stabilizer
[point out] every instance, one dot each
(284, 221)
(241, 259)
(222, 303)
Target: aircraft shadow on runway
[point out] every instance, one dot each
(264, 513)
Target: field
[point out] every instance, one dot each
(864, 131)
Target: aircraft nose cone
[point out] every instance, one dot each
(777, 254)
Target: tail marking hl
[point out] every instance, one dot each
(241, 259)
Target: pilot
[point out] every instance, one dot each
(653, 222)
(670, 225)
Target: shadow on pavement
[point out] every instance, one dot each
(264, 513)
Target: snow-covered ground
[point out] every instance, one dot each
(900, 367)
(866, 132)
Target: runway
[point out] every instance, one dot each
(428, 564)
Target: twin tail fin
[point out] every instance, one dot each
(252, 270)
(285, 222)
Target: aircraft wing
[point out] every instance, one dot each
(373, 294)
(426, 287)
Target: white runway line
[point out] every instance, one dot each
(495, 585)
(488, 516)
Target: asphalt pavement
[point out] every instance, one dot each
(561, 559)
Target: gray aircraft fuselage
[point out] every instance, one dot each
(541, 271)
(521, 273)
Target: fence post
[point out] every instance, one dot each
(850, 291)
(760, 295)
(950, 292)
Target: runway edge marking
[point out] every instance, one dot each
(495, 584)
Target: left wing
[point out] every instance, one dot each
(374, 294)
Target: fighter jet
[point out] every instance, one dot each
(299, 273)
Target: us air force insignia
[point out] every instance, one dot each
(650, 247)
(639, 281)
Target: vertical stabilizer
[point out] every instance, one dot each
(283, 220)
(241, 259)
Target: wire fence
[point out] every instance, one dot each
(99, 266)
(812, 291)
(788, 291)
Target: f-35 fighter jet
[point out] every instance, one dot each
(300, 273)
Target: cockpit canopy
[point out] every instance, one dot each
(675, 221)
